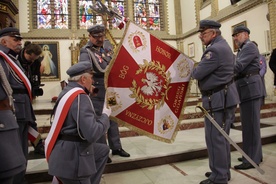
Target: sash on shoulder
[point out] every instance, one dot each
(60, 115)
(19, 72)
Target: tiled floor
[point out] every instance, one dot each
(192, 171)
(182, 172)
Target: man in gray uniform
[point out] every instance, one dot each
(215, 74)
(11, 46)
(99, 51)
(76, 157)
(12, 159)
(251, 91)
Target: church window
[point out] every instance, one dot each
(147, 13)
(52, 14)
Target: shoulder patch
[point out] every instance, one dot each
(208, 55)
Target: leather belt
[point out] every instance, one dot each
(72, 138)
(217, 89)
(4, 105)
(19, 91)
(247, 74)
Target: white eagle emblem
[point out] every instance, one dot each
(152, 85)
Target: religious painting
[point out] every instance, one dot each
(50, 66)
(235, 47)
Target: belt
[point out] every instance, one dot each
(4, 105)
(19, 91)
(248, 74)
(72, 138)
(212, 91)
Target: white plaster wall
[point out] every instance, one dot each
(205, 12)
(188, 15)
(23, 16)
(171, 17)
(223, 3)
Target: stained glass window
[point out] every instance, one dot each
(52, 14)
(147, 13)
(88, 18)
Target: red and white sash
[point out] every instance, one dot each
(19, 72)
(33, 135)
(60, 115)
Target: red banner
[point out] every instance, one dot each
(147, 82)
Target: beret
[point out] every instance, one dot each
(80, 68)
(10, 31)
(96, 29)
(206, 24)
(240, 29)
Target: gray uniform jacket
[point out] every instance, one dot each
(215, 69)
(247, 62)
(12, 159)
(105, 56)
(74, 160)
(23, 106)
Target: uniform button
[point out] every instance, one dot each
(87, 152)
(2, 125)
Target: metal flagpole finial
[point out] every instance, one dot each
(101, 9)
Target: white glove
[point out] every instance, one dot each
(106, 110)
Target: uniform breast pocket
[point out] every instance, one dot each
(249, 90)
(20, 110)
(86, 161)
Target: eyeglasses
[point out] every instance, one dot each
(98, 36)
(204, 33)
(236, 35)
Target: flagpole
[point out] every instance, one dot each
(230, 140)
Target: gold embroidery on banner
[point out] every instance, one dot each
(165, 125)
(139, 118)
(155, 85)
(136, 40)
(183, 68)
(113, 100)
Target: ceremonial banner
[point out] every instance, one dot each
(147, 81)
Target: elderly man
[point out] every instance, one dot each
(12, 158)
(22, 95)
(215, 74)
(251, 91)
(99, 52)
(75, 157)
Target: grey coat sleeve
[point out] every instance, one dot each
(245, 57)
(91, 126)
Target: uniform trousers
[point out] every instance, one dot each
(217, 145)
(7, 180)
(113, 134)
(23, 135)
(101, 155)
(251, 133)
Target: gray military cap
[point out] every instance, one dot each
(80, 68)
(96, 30)
(207, 24)
(10, 31)
(240, 29)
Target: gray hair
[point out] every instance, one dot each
(77, 77)
(3, 38)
